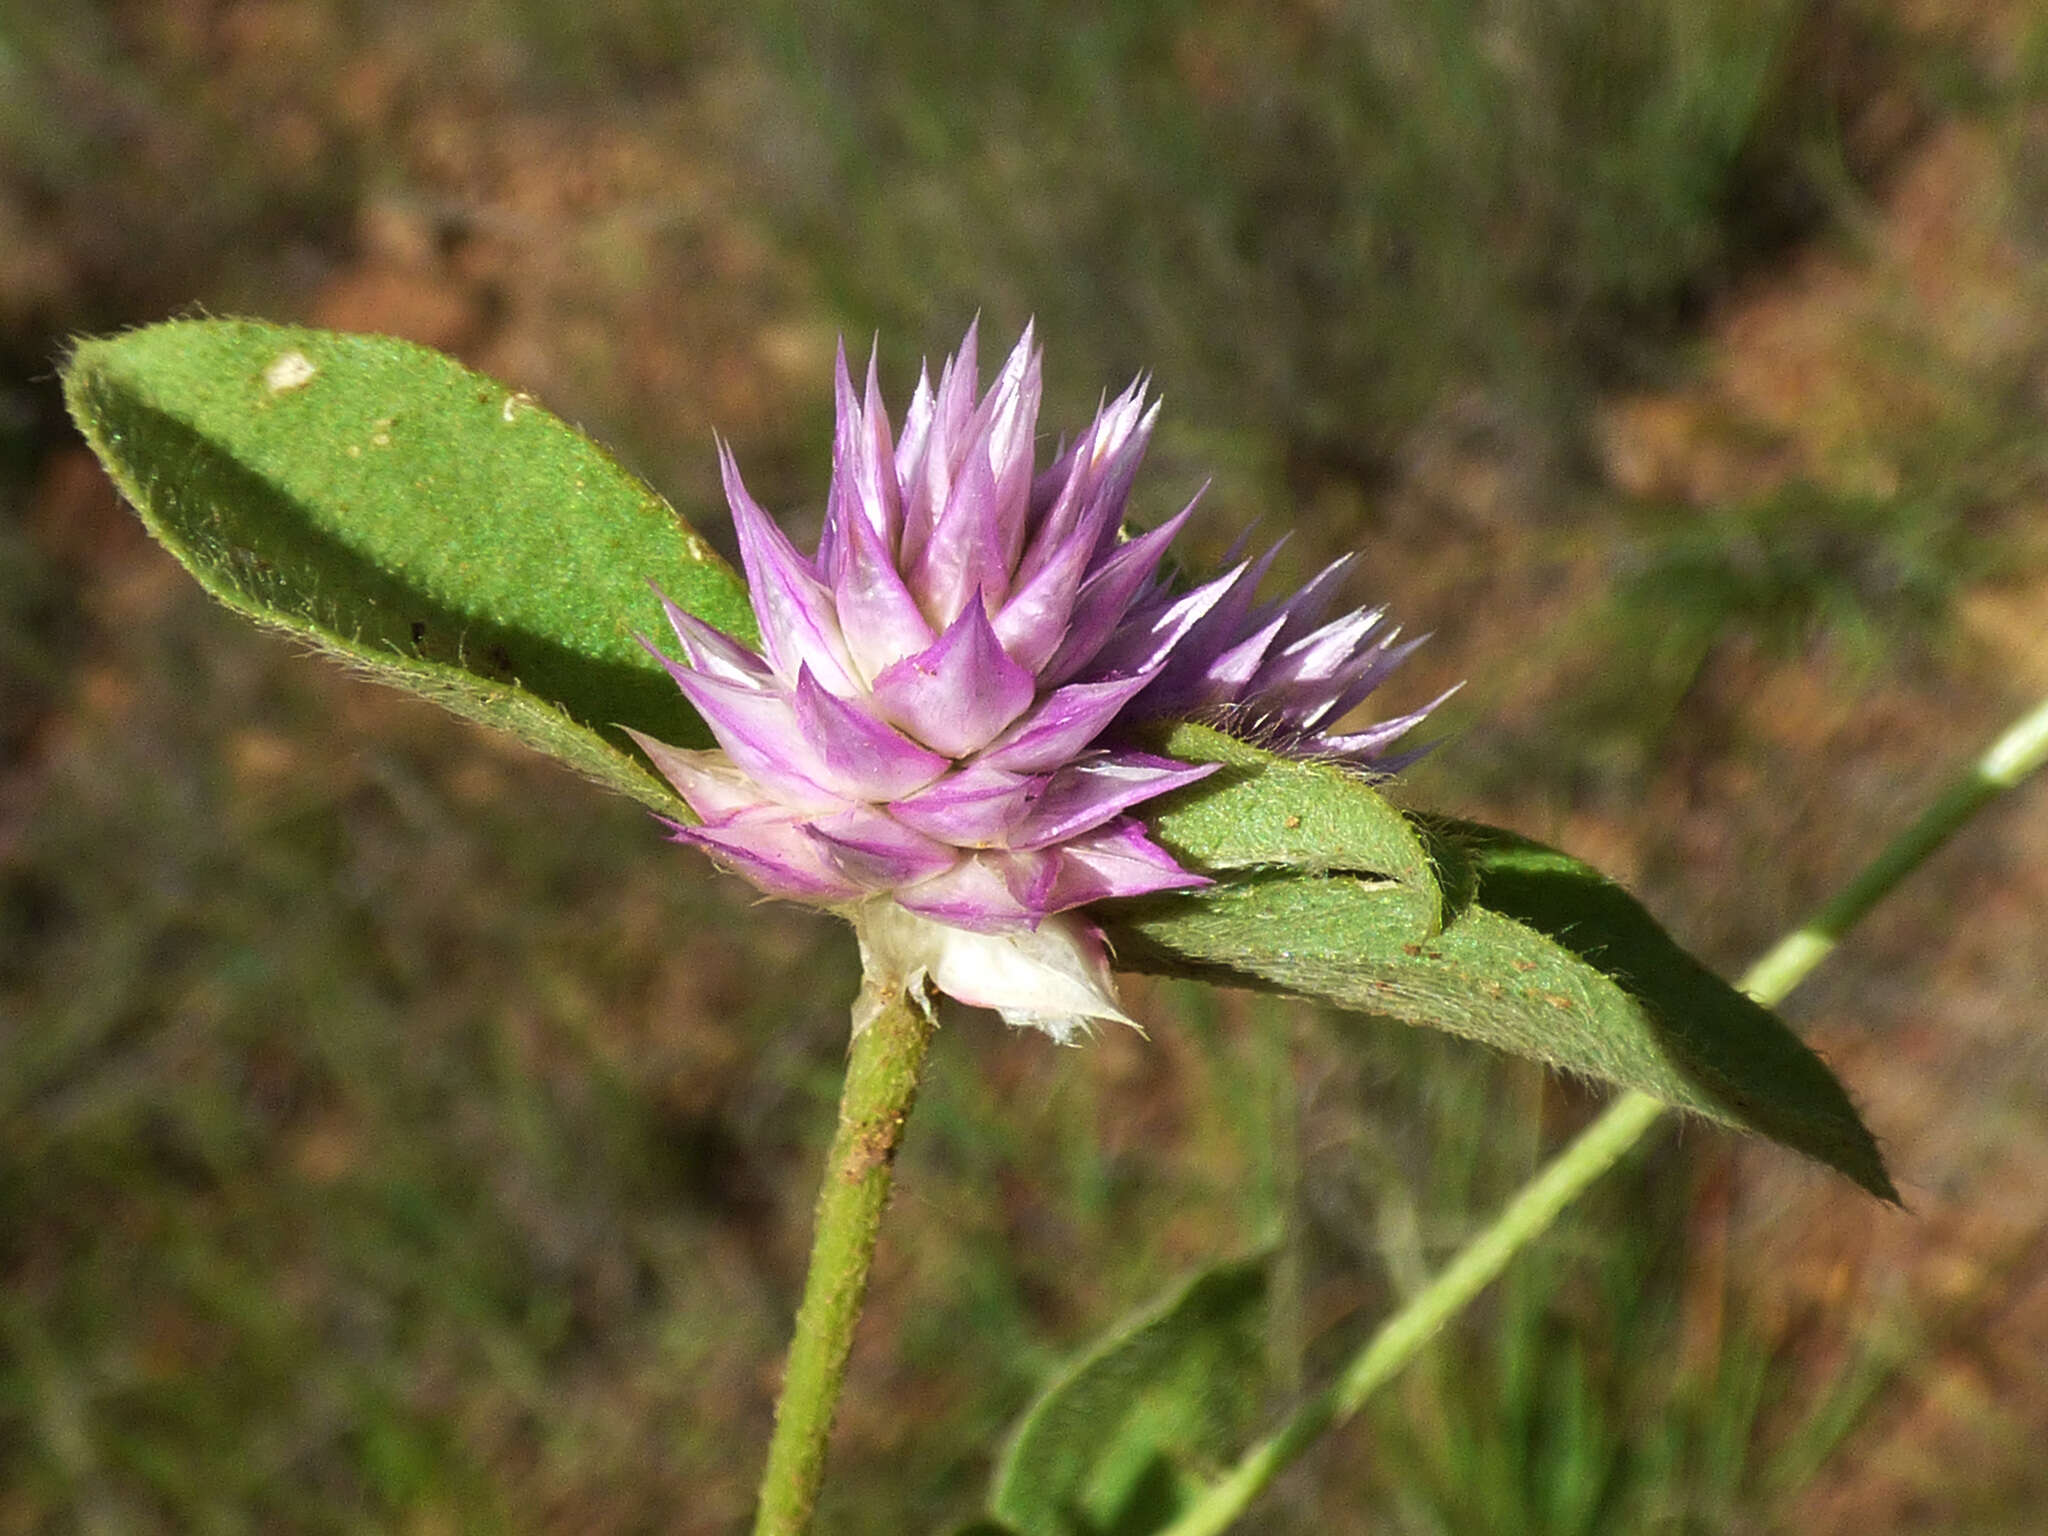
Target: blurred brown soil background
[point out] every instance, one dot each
(394, 1134)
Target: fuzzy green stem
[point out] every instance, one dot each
(2020, 751)
(2017, 753)
(874, 1105)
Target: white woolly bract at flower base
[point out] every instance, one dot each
(1054, 977)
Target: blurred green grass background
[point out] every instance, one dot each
(396, 1135)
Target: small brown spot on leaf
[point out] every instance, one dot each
(288, 371)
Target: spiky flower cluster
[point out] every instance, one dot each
(934, 734)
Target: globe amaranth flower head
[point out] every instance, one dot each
(935, 734)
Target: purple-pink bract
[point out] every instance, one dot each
(941, 708)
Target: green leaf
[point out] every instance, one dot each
(1737, 1054)
(1121, 1441)
(1306, 854)
(1543, 957)
(1264, 811)
(423, 522)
